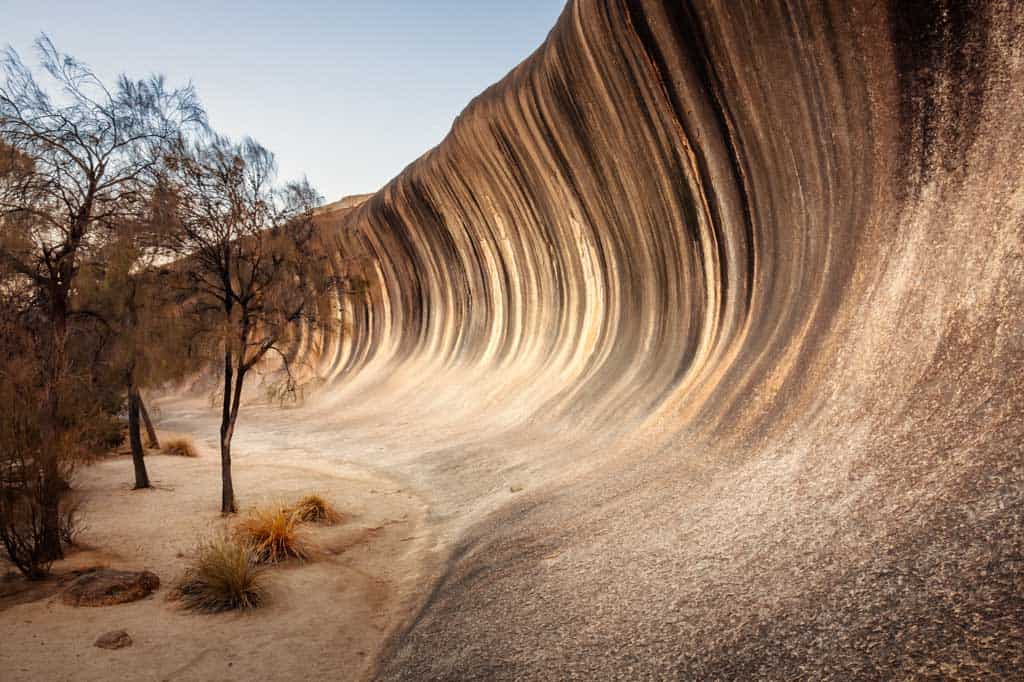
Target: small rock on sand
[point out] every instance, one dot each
(115, 639)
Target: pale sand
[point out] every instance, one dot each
(327, 619)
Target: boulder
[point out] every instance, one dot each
(105, 587)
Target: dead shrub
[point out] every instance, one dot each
(70, 522)
(180, 447)
(223, 577)
(106, 434)
(22, 526)
(32, 485)
(315, 509)
(273, 533)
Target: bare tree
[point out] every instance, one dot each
(80, 163)
(254, 272)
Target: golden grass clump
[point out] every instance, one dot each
(315, 509)
(273, 533)
(224, 577)
(182, 447)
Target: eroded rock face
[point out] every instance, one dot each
(115, 639)
(734, 290)
(106, 587)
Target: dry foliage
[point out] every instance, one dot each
(24, 496)
(315, 509)
(36, 460)
(224, 577)
(273, 533)
(71, 526)
(80, 161)
(181, 447)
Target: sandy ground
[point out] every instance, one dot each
(327, 619)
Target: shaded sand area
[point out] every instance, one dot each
(326, 619)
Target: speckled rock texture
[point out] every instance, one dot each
(107, 587)
(731, 293)
(115, 639)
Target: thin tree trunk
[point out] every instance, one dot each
(227, 496)
(229, 418)
(227, 426)
(154, 442)
(135, 437)
(134, 399)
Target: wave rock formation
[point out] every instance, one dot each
(702, 330)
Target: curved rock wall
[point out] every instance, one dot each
(733, 291)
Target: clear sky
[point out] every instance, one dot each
(345, 92)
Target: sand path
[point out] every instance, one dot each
(328, 619)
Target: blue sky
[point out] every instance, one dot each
(345, 92)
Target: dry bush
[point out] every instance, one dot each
(34, 477)
(22, 528)
(107, 433)
(24, 496)
(273, 533)
(181, 447)
(223, 577)
(71, 526)
(315, 509)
